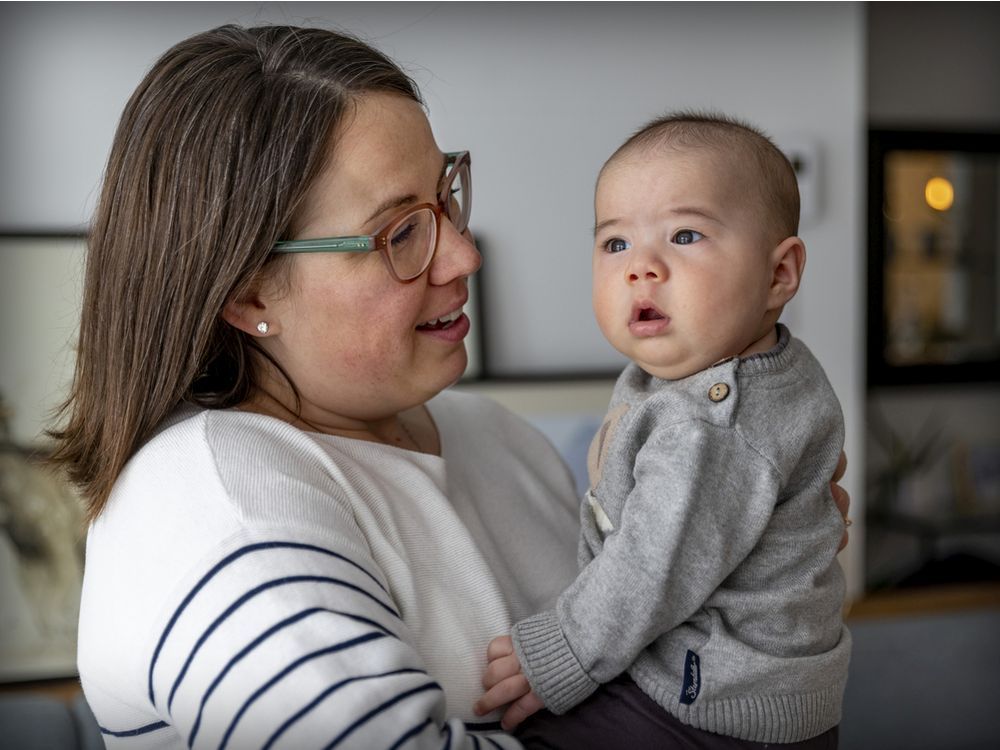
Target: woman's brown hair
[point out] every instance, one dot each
(214, 152)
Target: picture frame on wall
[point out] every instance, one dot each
(41, 515)
(933, 257)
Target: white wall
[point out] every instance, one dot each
(541, 93)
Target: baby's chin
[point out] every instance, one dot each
(661, 359)
(675, 370)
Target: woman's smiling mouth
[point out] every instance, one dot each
(443, 322)
(451, 327)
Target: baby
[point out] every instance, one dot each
(707, 612)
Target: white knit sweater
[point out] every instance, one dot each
(253, 585)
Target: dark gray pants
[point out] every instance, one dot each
(619, 716)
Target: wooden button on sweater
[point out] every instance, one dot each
(718, 392)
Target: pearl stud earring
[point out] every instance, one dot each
(263, 327)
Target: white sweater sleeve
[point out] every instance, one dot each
(232, 600)
(285, 644)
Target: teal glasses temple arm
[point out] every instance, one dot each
(333, 245)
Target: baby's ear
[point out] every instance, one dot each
(788, 260)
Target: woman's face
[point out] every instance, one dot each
(356, 342)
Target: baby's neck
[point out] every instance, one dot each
(765, 343)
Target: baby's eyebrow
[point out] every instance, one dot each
(679, 211)
(604, 225)
(694, 211)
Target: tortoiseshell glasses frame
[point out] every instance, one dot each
(407, 241)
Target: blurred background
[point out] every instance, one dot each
(891, 115)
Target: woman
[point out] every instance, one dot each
(297, 537)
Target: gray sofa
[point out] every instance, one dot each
(31, 721)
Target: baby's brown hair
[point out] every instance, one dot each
(760, 162)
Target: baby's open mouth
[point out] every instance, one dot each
(647, 320)
(650, 313)
(441, 323)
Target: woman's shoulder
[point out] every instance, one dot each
(218, 471)
(207, 482)
(275, 475)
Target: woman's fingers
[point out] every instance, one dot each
(841, 498)
(843, 501)
(841, 469)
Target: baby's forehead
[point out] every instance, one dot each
(703, 158)
(658, 181)
(702, 165)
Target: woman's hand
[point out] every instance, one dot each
(505, 684)
(840, 496)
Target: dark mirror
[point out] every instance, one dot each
(934, 245)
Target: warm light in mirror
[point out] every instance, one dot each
(939, 193)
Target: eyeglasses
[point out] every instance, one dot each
(408, 240)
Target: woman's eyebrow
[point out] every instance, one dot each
(402, 200)
(391, 203)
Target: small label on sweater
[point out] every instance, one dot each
(692, 678)
(600, 517)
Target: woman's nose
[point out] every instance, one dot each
(456, 255)
(645, 266)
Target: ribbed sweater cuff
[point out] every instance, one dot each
(549, 664)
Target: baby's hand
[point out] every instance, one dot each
(505, 683)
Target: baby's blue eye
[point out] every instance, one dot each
(616, 245)
(687, 237)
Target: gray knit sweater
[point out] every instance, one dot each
(708, 553)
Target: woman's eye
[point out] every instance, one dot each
(401, 235)
(687, 237)
(616, 245)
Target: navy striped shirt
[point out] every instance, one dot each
(250, 585)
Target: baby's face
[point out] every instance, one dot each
(681, 264)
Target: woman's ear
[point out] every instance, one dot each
(788, 260)
(249, 314)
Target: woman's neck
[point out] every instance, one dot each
(411, 429)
